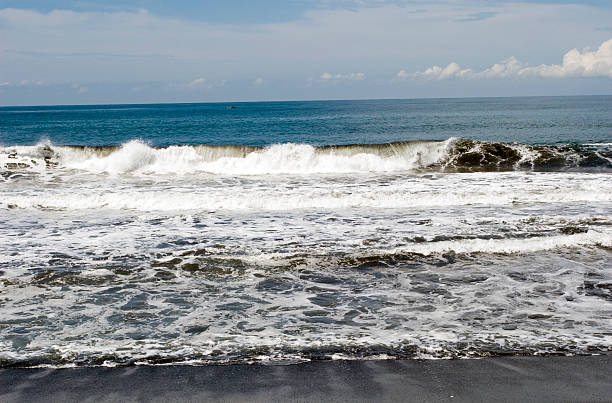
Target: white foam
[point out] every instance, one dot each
(364, 192)
(507, 246)
(302, 159)
(151, 201)
(138, 158)
(25, 156)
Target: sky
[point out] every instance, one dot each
(149, 51)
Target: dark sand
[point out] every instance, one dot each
(517, 379)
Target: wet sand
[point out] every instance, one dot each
(510, 379)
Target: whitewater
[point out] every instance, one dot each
(155, 250)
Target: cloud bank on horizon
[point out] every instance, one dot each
(66, 51)
(575, 64)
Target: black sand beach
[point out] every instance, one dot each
(558, 379)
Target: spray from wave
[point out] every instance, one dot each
(452, 155)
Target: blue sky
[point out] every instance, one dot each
(90, 51)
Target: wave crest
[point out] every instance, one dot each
(452, 155)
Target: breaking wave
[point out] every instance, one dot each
(452, 155)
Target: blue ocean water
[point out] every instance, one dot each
(530, 120)
(295, 231)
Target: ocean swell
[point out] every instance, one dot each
(451, 155)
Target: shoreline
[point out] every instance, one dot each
(516, 378)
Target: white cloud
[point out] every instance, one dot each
(508, 68)
(346, 77)
(438, 73)
(575, 64)
(197, 82)
(258, 81)
(578, 64)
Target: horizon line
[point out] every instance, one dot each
(305, 100)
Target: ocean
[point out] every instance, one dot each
(281, 232)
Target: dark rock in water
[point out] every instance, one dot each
(13, 155)
(17, 165)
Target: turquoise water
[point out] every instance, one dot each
(531, 120)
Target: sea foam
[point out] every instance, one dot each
(451, 155)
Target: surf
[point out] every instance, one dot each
(450, 155)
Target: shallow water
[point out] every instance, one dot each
(455, 248)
